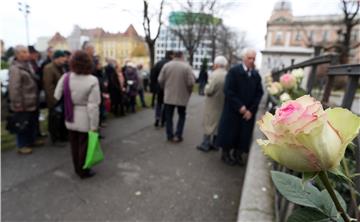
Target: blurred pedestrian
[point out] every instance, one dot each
(132, 81)
(99, 74)
(114, 89)
(243, 92)
(67, 59)
(146, 78)
(158, 92)
(49, 55)
(52, 74)
(141, 75)
(214, 103)
(23, 94)
(34, 60)
(203, 76)
(177, 80)
(81, 93)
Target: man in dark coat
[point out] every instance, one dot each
(243, 92)
(34, 60)
(203, 76)
(156, 89)
(114, 89)
(51, 75)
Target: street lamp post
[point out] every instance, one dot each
(25, 9)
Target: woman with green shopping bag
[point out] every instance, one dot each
(81, 94)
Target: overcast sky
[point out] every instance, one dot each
(48, 17)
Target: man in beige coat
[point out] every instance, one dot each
(23, 93)
(214, 102)
(177, 80)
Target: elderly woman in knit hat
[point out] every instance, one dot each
(81, 93)
(214, 102)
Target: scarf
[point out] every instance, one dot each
(69, 106)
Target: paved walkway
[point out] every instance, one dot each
(143, 178)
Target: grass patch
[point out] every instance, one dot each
(7, 139)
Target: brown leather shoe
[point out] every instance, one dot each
(24, 150)
(177, 139)
(38, 142)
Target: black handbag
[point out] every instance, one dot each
(18, 122)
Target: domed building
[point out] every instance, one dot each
(291, 39)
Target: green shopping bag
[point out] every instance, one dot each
(94, 154)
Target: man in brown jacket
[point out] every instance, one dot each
(177, 80)
(52, 73)
(23, 92)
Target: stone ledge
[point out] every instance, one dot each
(257, 197)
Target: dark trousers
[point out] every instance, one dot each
(78, 143)
(37, 123)
(132, 104)
(160, 108)
(56, 126)
(28, 136)
(141, 96)
(153, 97)
(169, 114)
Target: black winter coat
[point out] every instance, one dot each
(240, 89)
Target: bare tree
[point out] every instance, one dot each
(350, 9)
(230, 43)
(192, 24)
(344, 44)
(147, 29)
(216, 27)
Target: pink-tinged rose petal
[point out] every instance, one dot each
(304, 137)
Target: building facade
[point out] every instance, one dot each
(291, 39)
(168, 40)
(115, 46)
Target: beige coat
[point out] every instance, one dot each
(177, 80)
(23, 88)
(85, 94)
(214, 101)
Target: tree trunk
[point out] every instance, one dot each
(191, 56)
(213, 47)
(344, 58)
(151, 46)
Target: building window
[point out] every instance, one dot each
(278, 38)
(354, 35)
(325, 36)
(297, 36)
(311, 36)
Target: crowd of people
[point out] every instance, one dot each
(78, 90)
(94, 89)
(231, 103)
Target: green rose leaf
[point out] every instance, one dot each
(329, 207)
(293, 190)
(339, 172)
(307, 214)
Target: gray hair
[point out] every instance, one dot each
(19, 48)
(87, 45)
(246, 51)
(221, 61)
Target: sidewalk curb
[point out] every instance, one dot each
(257, 197)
